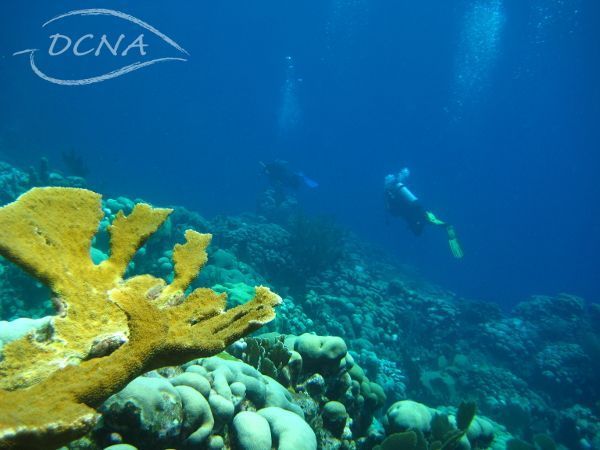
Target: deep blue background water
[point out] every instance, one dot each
(493, 104)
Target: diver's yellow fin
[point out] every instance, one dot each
(434, 220)
(452, 239)
(455, 247)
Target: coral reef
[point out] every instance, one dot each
(14, 181)
(415, 426)
(199, 403)
(224, 403)
(326, 380)
(277, 206)
(109, 330)
(422, 342)
(532, 369)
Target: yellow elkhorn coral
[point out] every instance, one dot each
(111, 330)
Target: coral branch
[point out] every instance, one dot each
(189, 258)
(50, 388)
(128, 233)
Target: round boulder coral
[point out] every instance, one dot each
(407, 415)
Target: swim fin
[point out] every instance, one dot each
(434, 220)
(455, 247)
(308, 181)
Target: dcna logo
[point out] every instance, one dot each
(121, 47)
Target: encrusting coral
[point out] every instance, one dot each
(109, 330)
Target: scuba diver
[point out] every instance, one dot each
(282, 178)
(401, 202)
(278, 202)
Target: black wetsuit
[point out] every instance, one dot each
(281, 176)
(412, 211)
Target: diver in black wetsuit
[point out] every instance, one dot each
(281, 177)
(401, 202)
(278, 202)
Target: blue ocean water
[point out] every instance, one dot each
(492, 104)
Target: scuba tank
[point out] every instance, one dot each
(406, 194)
(401, 188)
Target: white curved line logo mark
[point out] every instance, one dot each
(112, 74)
